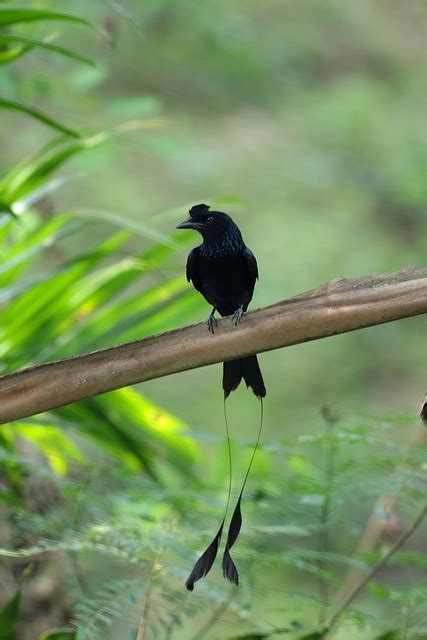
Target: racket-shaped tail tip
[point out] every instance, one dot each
(205, 562)
(229, 569)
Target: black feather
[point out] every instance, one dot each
(229, 569)
(246, 368)
(423, 413)
(198, 209)
(205, 562)
(252, 375)
(231, 376)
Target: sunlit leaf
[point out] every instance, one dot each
(17, 16)
(33, 172)
(94, 420)
(158, 425)
(12, 53)
(142, 309)
(39, 311)
(5, 209)
(24, 167)
(15, 259)
(133, 428)
(52, 441)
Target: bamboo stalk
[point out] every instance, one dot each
(336, 307)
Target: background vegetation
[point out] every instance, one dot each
(305, 121)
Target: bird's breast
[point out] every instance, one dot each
(225, 281)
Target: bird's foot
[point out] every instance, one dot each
(237, 316)
(212, 322)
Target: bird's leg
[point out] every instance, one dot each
(237, 315)
(212, 321)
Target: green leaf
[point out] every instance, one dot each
(9, 617)
(9, 55)
(5, 208)
(102, 296)
(18, 16)
(52, 441)
(38, 115)
(33, 172)
(24, 249)
(26, 167)
(388, 635)
(112, 324)
(44, 317)
(136, 428)
(42, 44)
(59, 634)
(158, 425)
(41, 311)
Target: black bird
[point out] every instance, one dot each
(224, 270)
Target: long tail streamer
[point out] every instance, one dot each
(229, 569)
(206, 560)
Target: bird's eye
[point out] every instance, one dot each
(209, 219)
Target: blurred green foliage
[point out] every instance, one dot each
(305, 121)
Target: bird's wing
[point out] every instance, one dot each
(191, 269)
(251, 264)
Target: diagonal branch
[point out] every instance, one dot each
(378, 526)
(336, 307)
(357, 588)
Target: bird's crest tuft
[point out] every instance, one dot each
(198, 209)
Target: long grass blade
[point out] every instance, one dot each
(29, 43)
(38, 115)
(229, 568)
(9, 55)
(18, 16)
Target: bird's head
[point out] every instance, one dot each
(211, 224)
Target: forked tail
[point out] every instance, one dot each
(234, 370)
(246, 368)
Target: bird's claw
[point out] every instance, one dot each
(237, 316)
(212, 322)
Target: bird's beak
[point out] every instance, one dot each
(189, 224)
